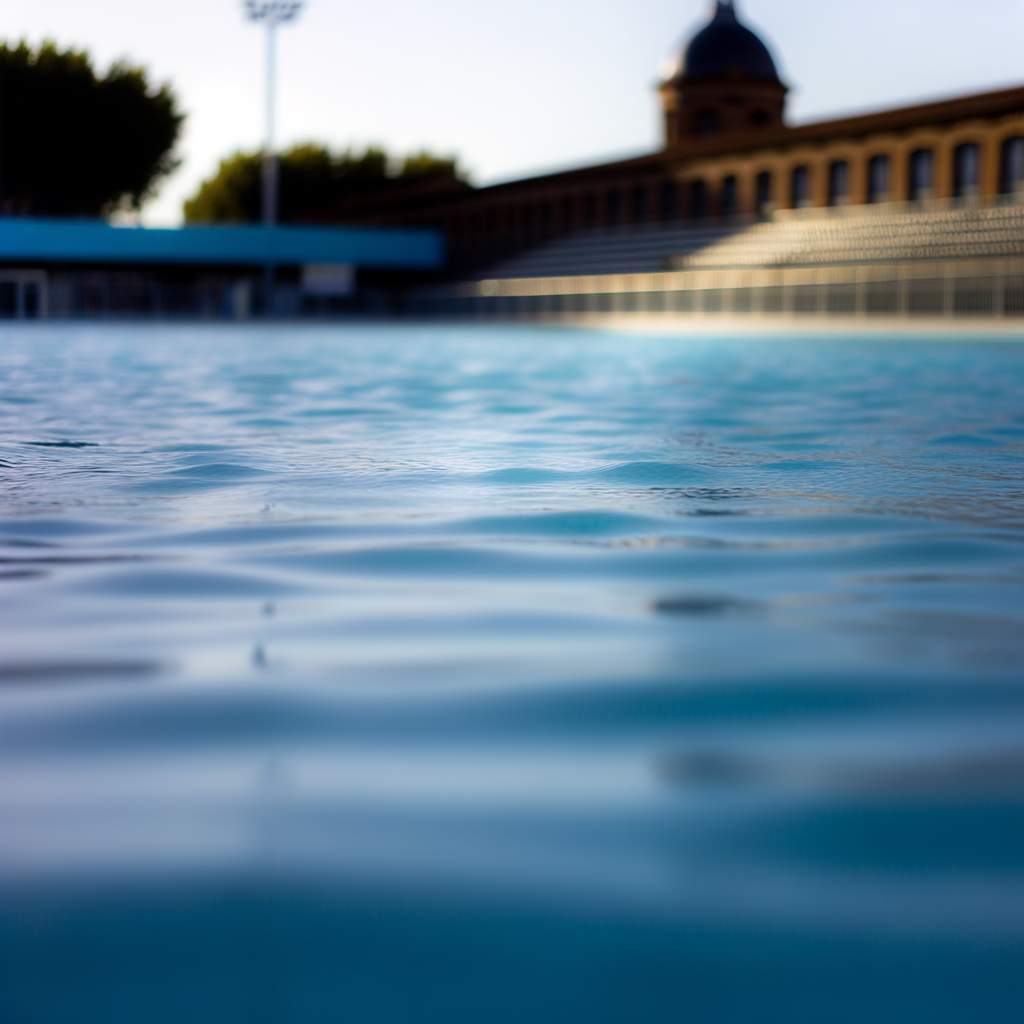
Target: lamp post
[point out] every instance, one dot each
(271, 14)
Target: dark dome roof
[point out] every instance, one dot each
(725, 48)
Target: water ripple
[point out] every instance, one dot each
(353, 672)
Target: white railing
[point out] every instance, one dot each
(992, 288)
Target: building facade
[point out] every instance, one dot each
(729, 154)
(74, 268)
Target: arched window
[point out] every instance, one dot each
(765, 188)
(639, 204)
(669, 200)
(526, 222)
(922, 175)
(879, 169)
(838, 183)
(966, 170)
(568, 213)
(1011, 177)
(698, 199)
(613, 207)
(544, 216)
(708, 122)
(800, 187)
(730, 196)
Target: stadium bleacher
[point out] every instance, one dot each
(867, 235)
(939, 259)
(643, 249)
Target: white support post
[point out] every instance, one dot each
(271, 14)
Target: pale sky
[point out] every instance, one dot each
(511, 87)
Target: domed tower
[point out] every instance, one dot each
(724, 82)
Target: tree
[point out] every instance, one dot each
(77, 143)
(424, 164)
(316, 184)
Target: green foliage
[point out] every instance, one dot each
(427, 165)
(316, 184)
(74, 142)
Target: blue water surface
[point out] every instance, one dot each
(446, 675)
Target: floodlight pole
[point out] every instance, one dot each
(271, 14)
(270, 162)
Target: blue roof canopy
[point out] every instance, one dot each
(28, 240)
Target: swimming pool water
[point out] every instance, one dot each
(453, 674)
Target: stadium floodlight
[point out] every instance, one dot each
(276, 11)
(271, 14)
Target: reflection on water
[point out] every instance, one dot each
(406, 675)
